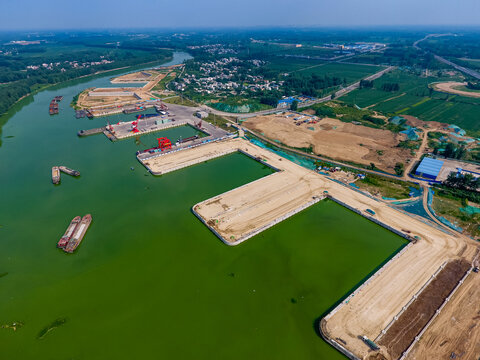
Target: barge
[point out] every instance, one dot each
(146, 116)
(68, 234)
(55, 175)
(69, 171)
(53, 108)
(78, 234)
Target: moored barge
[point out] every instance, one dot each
(68, 234)
(69, 171)
(78, 234)
(55, 175)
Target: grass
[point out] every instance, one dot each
(417, 99)
(162, 84)
(380, 186)
(179, 100)
(449, 208)
(219, 121)
(464, 88)
(237, 104)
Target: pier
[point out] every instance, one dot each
(246, 211)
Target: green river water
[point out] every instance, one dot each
(150, 281)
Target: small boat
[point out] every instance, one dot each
(78, 234)
(69, 171)
(55, 175)
(68, 234)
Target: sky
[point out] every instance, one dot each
(111, 14)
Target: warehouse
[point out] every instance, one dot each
(429, 168)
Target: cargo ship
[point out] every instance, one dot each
(78, 234)
(69, 171)
(68, 234)
(55, 175)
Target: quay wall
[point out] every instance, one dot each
(379, 271)
(334, 343)
(345, 301)
(142, 160)
(260, 229)
(198, 161)
(143, 132)
(371, 218)
(276, 221)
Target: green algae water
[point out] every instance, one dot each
(149, 280)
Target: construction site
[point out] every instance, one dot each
(333, 138)
(115, 100)
(390, 314)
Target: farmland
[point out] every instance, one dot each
(416, 98)
(306, 67)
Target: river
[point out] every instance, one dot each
(149, 280)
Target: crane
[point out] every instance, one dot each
(164, 143)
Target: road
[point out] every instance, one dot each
(463, 69)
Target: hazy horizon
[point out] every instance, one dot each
(114, 14)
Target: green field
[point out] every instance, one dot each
(464, 88)
(472, 63)
(415, 98)
(282, 64)
(351, 72)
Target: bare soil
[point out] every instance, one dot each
(402, 333)
(430, 125)
(451, 87)
(335, 139)
(457, 330)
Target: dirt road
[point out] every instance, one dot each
(451, 88)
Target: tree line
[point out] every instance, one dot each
(462, 181)
(13, 91)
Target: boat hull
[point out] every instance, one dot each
(79, 233)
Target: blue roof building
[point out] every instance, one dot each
(429, 168)
(411, 134)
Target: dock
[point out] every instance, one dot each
(246, 211)
(242, 213)
(125, 130)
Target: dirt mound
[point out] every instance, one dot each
(416, 122)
